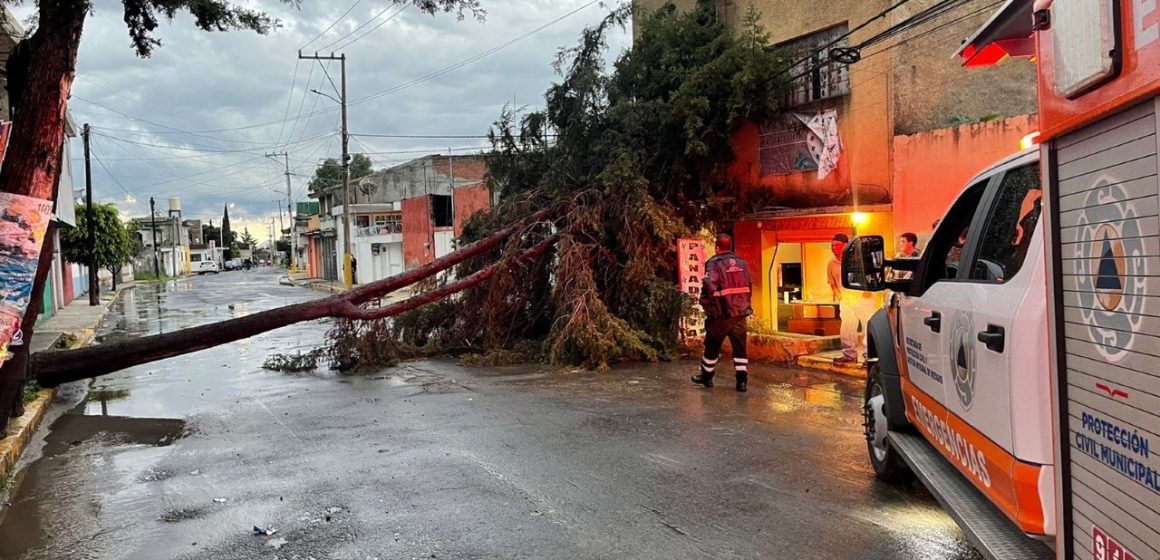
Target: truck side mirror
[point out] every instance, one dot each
(864, 264)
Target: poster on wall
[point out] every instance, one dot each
(784, 147)
(23, 224)
(691, 256)
(798, 143)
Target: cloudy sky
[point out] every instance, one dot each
(196, 119)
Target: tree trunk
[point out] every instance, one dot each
(54, 368)
(40, 75)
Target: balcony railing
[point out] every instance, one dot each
(381, 229)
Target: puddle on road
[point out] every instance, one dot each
(83, 456)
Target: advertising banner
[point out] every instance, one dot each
(23, 224)
(691, 256)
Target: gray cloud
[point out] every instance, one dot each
(228, 82)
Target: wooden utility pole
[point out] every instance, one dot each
(153, 227)
(289, 212)
(91, 218)
(346, 257)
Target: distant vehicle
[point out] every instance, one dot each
(206, 267)
(233, 264)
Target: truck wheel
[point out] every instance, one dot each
(888, 464)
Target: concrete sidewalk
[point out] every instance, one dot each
(74, 326)
(304, 280)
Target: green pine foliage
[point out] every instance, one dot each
(630, 159)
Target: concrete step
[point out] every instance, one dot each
(825, 361)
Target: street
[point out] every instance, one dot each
(181, 459)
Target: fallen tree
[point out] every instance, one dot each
(40, 71)
(53, 368)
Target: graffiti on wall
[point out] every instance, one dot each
(796, 143)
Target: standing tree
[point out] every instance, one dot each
(40, 72)
(114, 245)
(228, 238)
(329, 175)
(248, 240)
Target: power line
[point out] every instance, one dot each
(172, 129)
(368, 22)
(331, 26)
(110, 174)
(835, 41)
(290, 97)
(204, 150)
(479, 56)
(328, 78)
(432, 136)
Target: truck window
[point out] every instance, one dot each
(1010, 225)
(940, 260)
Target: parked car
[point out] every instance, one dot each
(206, 267)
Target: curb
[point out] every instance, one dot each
(23, 428)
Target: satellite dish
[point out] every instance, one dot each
(367, 187)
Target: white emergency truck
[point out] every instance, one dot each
(1017, 373)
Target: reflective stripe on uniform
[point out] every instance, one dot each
(731, 292)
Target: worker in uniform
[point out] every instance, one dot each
(725, 296)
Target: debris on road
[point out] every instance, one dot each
(259, 530)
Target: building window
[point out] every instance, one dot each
(816, 77)
(362, 220)
(441, 210)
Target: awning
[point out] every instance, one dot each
(1007, 33)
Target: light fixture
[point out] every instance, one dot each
(859, 218)
(1029, 140)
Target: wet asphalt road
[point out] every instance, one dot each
(180, 459)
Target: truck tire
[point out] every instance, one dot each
(887, 463)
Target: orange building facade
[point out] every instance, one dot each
(911, 125)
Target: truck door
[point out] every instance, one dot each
(982, 334)
(925, 314)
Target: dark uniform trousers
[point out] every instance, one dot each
(716, 331)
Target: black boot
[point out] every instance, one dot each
(742, 382)
(705, 378)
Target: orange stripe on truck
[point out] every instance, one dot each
(1012, 485)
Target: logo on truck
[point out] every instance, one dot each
(1110, 269)
(963, 359)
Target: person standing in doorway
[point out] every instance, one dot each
(907, 249)
(726, 292)
(856, 307)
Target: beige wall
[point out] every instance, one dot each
(906, 84)
(931, 89)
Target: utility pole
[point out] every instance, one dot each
(280, 227)
(153, 227)
(346, 257)
(290, 212)
(94, 284)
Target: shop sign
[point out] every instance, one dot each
(816, 222)
(691, 256)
